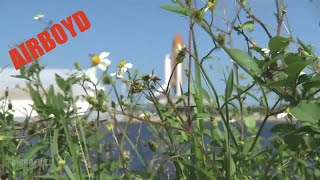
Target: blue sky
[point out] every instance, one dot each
(136, 30)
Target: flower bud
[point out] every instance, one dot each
(107, 80)
(10, 105)
(61, 163)
(189, 2)
(77, 66)
(6, 93)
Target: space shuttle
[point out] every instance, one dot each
(176, 82)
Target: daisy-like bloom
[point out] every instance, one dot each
(98, 61)
(101, 61)
(38, 16)
(266, 51)
(124, 66)
(285, 114)
(118, 74)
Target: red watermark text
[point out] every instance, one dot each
(46, 41)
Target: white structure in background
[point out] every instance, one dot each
(170, 62)
(179, 80)
(21, 100)
(92, 74)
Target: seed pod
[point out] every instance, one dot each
(189, 2)
(77, 66)
(6, 93)
(10, 105)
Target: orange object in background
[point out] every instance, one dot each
(177, 74)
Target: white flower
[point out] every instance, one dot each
(302, 73)
(124, 66)
(233, 120)
(281, 115)
(118, 74)
(38, 16)
(91, 74)
(180, 47)
(266, 51)
(285, 114)
(142, 116)
(101, 61)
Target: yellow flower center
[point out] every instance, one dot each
(211, 5)
(95, 60)
(122, 64)
(287, 110)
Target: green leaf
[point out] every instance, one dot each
(232, 167)
(293, 70)
(290, 58)
(273, 60)
(245, 61)
(204, 94)
(306, 48)
(283, 128)
(37, 99)
(61, 82)
(242, 88)
(307, 111)
(175, 9)
(33, 150)
(250, 122)
(312, 84)
(248, 25)
(243, 2)
(203, 116)
(229, 86)
(69, 172)
(206, 58)
(141, 174)
(280, 83)
(50, 96)
(277, 44)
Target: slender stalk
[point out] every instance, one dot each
(189, 75)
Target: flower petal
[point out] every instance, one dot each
(38, 16)
(266, 51)
(302, 73)
(123, 70)
(129, 65)
(119, 76)
(103, 55)
(105, 62)
(91, 73)
(113, 74)
(102, 67)
(281, 115)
